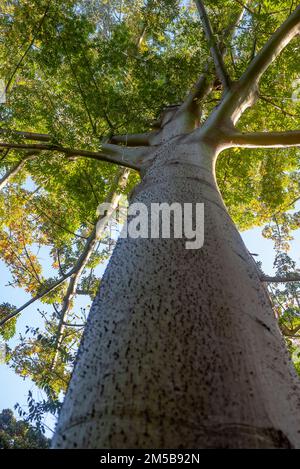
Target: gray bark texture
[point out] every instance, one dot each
(182, 349)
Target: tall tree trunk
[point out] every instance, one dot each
(182, 349)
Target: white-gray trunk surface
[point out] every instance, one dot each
(182, 349)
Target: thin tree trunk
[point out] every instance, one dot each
(182, 349)
(12, 172)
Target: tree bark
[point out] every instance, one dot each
(182, 349)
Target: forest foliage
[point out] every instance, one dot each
(19, 434)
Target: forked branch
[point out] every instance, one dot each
(243, 94)
(214, 48)
(274, 46)
(206, 80)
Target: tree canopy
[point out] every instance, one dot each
(81, 77)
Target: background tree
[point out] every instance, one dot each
(19, 434)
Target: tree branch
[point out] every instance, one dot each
(290, 277)
(244, 93)
(205, 83)
(16, 169)
(245, 6)
(127, 157)
(232, 27)
(80, 89)
(280, 39)
(74, 325)
(276, 106)
(4, 155)
(83, 292)
(290, 332)
(27, 135)
(40, 24)
(264, 139)
(214, 49)
(201, 88)
(76, 271)
(37, 297)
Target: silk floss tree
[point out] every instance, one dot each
(182, 348)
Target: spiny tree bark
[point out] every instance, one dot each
(182, 349)
(101, 223)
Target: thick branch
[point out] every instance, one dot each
(291, 277)
(27, 135)
(244, 93)
(202, 88)
(130, 158)
(133, 140)
(205, 83)
(264, 139)
(34, 36)
(280, 39)
(214, 49)
(11, 173)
